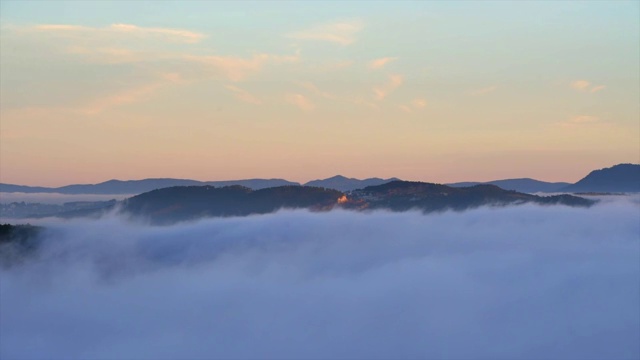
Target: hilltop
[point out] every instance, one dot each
(618, 178)
(176, 204)
(342, 183)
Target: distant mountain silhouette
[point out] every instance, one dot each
(524, 185)
(342, 183)
(618, 178)
(117, 187)
(169, 205)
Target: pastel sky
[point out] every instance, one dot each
(421, 90)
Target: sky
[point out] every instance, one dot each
(421, 90)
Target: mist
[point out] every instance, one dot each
(522, 282)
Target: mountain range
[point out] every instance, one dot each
(132, 187)
(129, 187)
(619, 178)
(522, 185)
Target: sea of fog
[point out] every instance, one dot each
(522, 282)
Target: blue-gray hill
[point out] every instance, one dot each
(525, 185)
(618, 178)
(126, 187)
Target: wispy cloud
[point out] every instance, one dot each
(244, 95)
(381, 92)
(579, 121)
(343, 32)
(128, 96)
(584, 119)
(419, 103)
(112, 55)
(355, 100)
(315, 90)
(97, 105)
(63, 27)
(236, 68)
(484, 91)
(300, 101)
(416, 104)
(169, 34)
(112, 44)
(405, 108)
(581, 85)
(380, 63)
(586, 86)
(597, 88)
(331, 66)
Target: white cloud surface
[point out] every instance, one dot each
(510, 283)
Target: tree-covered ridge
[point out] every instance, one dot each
(191, 202)
(406, 195)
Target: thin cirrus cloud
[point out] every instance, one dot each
(380, 63)
(419, 103)
(129, 96)
(101, 104)
(243, 95)
(331, 66)
(405, 108)
(299, 100)
(381, 92)
(484, 91)
(238, 69)
(579, 121)
(342, 33)
(169, 34)
(416, 104)
(311, 87)
(584, 119)
(107, 46)
(113, 55)
(315, 90)
(586, 86)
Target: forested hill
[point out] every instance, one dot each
(191, 202)
(618, 178)
(406, 195)
(176, 204)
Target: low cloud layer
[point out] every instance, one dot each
(523, 282)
